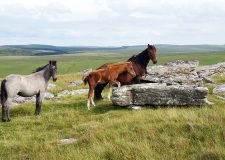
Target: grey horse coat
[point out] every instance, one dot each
(26, 86)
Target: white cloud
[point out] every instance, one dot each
(107, 22)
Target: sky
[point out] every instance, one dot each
(112, 22)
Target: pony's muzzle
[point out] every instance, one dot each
(154, 62)
(54, 79)
(133, 74)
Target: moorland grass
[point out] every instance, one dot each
(110, 132)
(68, 64)
(107, 131)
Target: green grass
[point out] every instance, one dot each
(107, 131)
(74, 63)
(110, 132)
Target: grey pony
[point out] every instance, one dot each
(27, 86)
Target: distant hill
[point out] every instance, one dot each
(38, 49)
(189, 48)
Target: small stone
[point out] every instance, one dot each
(49, 95)
(51, 85)
(136, 107)
(219, 89)
(67, 141)
(75, 83)
(79, 91)
(63, 93)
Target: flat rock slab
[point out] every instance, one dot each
(156, 94)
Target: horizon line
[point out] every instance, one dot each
(104, 46)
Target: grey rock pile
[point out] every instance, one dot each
(183, 72)
(177, 83)
(216, 69)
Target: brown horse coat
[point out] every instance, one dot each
(139, 63)
(109, 75)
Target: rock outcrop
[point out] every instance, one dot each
(178, 72)
(183, 72)
(216, 69)
(155, 94)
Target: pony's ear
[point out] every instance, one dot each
(50, 62)
(54, 62)
(148, 45)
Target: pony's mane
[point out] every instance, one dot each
(142, 58)
(40, 68)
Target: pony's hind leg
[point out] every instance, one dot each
(90, 97)
(4, 113)
(5, 110)
(88, 103)
(92, 101)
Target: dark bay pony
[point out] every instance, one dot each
(139, 63)
(26, 86)
(109, 75)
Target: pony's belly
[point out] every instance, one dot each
(102, 81)
(124, 78)
(24, 94)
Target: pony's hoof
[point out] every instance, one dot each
(36, 114)
(6, 120)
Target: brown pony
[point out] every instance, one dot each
(139, 63)
(109, 75)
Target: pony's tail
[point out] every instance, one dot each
(85, 79)
(3, 91)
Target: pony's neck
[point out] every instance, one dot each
(144, 58)
(141, 59)
(45, 72)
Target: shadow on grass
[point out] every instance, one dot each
(21, 111)
(101, 109)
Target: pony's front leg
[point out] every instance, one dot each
(92, 101)
(110, 90)
(118, 83)
(39, 99)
